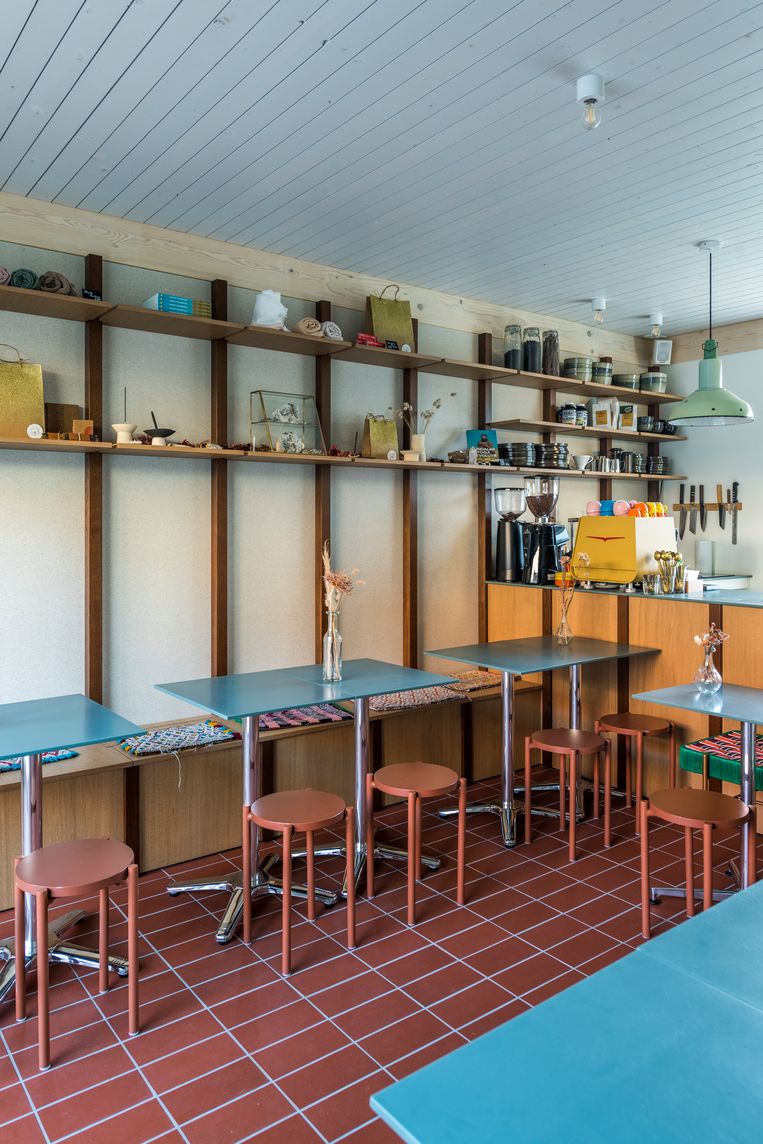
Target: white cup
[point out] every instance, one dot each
(581, 462)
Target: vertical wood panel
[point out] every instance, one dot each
(322, 477)
(219, 487)
(93, 523)
(739, 663)
(484, 490)
(410, 534)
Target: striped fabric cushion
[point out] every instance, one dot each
(724, 760)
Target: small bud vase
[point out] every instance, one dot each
(419, 445)
(332, 650)
(708, 678)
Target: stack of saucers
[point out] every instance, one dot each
(519, 454)
(555, 456)
(657, 466)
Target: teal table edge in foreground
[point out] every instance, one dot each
(651, 1048)
(246, 696)
(731, 701)
(27, 729)
(523, 657)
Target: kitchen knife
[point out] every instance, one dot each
(721, 506)
(681, 512)
(693, 510)
(702, 509)
(735, 514)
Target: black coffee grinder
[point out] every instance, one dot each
(509, 545)
(543, 542)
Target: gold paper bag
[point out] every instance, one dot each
(391, 318)
(21, 398)
(379, 437)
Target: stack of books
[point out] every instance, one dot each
(176, 304)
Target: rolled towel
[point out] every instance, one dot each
(5, 276)
(309, 326)
(55, 283)
(26, 279)
(331, 330)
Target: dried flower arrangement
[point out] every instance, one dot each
(711, 639)
(336, 583)
(569, 583)
(418, 423)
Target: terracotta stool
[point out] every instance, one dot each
(568, 744)
(414, 782)
(694, 810)
(74, 870)
(290, 812)
(636, 728)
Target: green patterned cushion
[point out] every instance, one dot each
(724, 758)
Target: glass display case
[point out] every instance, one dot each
(284, 422)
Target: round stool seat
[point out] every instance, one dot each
(74, 869)
(562, 740)
(687, 806)
(429, 780)
(629, 723)
(301, 809)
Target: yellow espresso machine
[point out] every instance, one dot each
(620, 549)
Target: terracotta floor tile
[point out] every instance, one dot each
(441, 983)
(293, 1130)
(14, 1103)
(603, 960)
(569, 898)
(266, 999)
(67, 1079)
(224, 1084)
(192, 1061)
(551, 932)
(551, 988)
(357, 991)
(502, 955)
(401, 944)
(424, 961)
(494, 1018)
(465, 1007)
(583, 947)
(466, 944)
(70, 1047)
(376, 1014)
(86, 1108)
(419, 1058)
(240, 1118)
(301, 1049)
(546, 884)
(266, 1030)
(529, 974)
(339, 1114)
(234, 983)
(375, 1132)
(399, 1040)
(23, 1131)
(522, 918)
(326, 1076)
(169, 1038)
(598, 910)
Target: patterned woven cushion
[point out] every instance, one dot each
(724, 753)
(421, 697)
(48, 757)
(167, 740)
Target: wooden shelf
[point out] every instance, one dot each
(184, 452)
(392, 359)
(43, 304)
(521, 425)
(584, 388)
(470, 370)
(284, 341)
(54, 446)
(178, 325)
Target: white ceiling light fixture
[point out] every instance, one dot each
(591, 95)
(655, 325)
(710, 404)
(598, 305)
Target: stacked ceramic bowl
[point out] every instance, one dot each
(626, 380)
(519, 454)
(578, 368)
(657, 466)
(555, 456)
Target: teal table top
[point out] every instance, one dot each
(539, 653)
(652, 1048)
(38, 725)
(744, 704)
(728, 597)
(256, 692)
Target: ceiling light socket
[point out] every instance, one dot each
(710, 245)
(591, 87)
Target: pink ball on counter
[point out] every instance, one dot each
(593, 508)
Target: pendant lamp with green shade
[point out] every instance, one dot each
(710, 404)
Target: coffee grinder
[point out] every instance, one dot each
(509, 547)
(543, 542)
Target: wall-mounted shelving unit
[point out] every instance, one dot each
(220, 333)
(522, 425)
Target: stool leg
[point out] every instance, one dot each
(461, 860)
(672, 756)
(562, 791)
(369, 836)
(18, 902)
(707, 865)
(752, 861)
(643, 811)
(286, 904)
(419, 867)
(528, 791)
(689, 857)
(246, 875)
(103, 941)
(43, 1013)
(349, 842)
(628, 770)
(573, 801)
(639, 775)
(132, 948)
(608, 795)
(411, 858)
(310, 847)
(596, 791)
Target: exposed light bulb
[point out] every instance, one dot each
(598, 316)
(591, 115)
(598, 305)
(655, 325)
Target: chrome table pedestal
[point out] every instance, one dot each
(263, 881)
(59, 949)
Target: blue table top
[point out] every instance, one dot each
(539, 653)
(38, 725)
(744, 704)
(257, 692)
(651, 1048)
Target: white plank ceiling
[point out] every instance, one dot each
(435, 142)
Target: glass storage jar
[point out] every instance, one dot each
(531, 353)
(551, 352)
(512, 345)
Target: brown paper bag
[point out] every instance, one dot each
(391, 318)
(379, 438)
(21, 399)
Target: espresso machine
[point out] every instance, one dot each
(509, 545)
(542, 541)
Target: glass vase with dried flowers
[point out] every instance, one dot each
(708, 678)
(337, 584)
(418, 423)
(564, 633)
